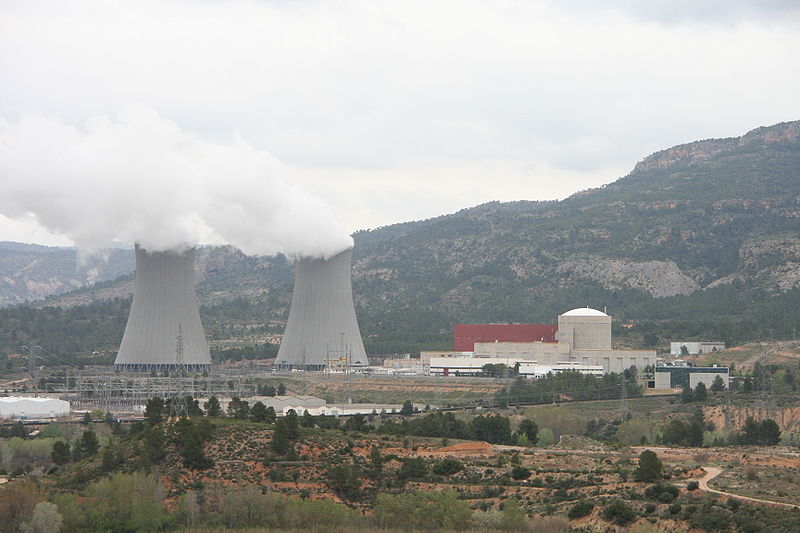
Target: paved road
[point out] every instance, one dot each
(713, 471)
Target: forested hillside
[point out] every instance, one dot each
(699, 240)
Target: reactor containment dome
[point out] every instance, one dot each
(322, 330)
(164, 332)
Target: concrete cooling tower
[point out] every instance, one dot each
(164, 329)
(322, 329)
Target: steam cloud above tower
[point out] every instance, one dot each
(141, 178)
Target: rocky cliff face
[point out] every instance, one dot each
(659, 278)
(702, 151)
(787, 418)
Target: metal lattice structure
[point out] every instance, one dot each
(118, 393)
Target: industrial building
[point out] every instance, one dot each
(281, 404)
(164, 332)
(465, 366)
(35, 408)
(675, 377)
(349, 409)
(466, 335)
(537, 370)
(322, 330)
(471, 366)
(695, 348)
(583, 336)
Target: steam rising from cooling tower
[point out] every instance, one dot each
(322, 326)
(164, 329)
(141, 178)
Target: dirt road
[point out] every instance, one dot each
(713, 471)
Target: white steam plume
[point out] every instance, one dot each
(141, 178)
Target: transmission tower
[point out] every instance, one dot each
(179, 405)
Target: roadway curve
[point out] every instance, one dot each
(713, 471)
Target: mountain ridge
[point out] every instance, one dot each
(701, 224)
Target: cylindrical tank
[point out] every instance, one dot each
(585, 329)
(322, 328)
(164, 328)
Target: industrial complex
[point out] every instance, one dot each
(580, 342)
(164, 351)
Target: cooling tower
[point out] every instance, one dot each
(164, 328)
(322, 328)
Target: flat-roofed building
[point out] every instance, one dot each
(695, 348)
(675, 377)
(28, 407)
(465, 366)
(537, 370)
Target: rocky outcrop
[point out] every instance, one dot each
(787, 418)
(700, 151)
(659, 278)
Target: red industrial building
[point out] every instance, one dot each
(466, 335)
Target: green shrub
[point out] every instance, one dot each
(520, 472)
(447, 467)
(423, 510)
(618, 512)
(413, 468)
(580, 509)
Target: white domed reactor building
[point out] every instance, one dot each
(322, 329)
(583, 337)
(164, 331)
(585, 328)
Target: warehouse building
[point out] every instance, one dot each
(466, 335)
(471, 366)
(34, 408)
(467, 366)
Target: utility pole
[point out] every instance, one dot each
(623, 398)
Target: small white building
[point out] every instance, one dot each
(463, 366)
(695, 348)
(532, 369)
(36, 408)
(349, 409)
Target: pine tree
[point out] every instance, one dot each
(212, 407)
(687, 395)
(718, 385)
(60, 454)
(154, 411)
(649, 468)
(700, 392)
(258, 413)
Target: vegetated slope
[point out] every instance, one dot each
(687, 218)
(690, 229)
(704, 235)
(32, 272)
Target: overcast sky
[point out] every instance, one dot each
(396, 111)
